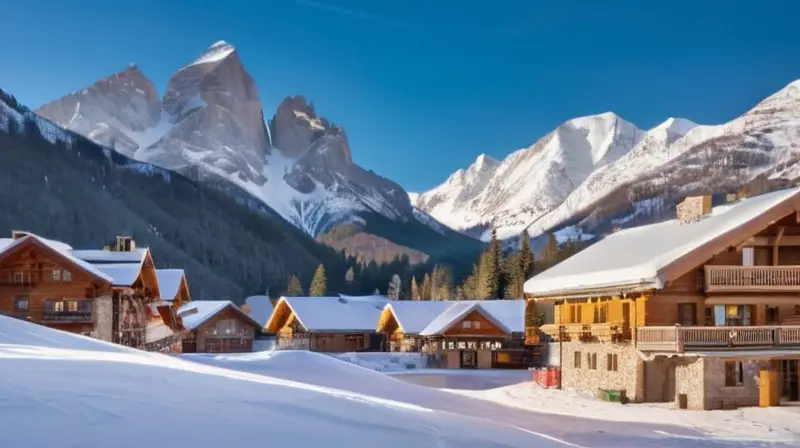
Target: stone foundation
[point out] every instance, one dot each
(629, 374)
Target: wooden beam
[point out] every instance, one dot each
(776, 245)
(790, 240)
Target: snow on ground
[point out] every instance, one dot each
(567, 430)
(384, 362)
(768, 424)
(65, 390)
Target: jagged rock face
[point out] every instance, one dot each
(113, 112)
(296, 126)
(217, 118)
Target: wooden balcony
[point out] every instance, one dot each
(52, 317)
(602, 332)
(682, 339)
(752, 278)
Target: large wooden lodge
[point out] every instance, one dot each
(115, 294)
(703, 310)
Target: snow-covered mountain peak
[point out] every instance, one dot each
(215, 53)
(678, 125)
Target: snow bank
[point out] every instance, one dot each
(106, 395)
(765, 424)
(384, 362)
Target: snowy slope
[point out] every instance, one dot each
(109, 395)
(569, 175)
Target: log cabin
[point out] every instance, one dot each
(328, 324)
(696, 310)
(216, 326)
(259, 308)
(41, 281)
(459, 334)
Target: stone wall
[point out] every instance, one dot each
(102, 313)
(690, 380)
(629, 375)
(745, 395)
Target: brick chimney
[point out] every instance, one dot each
(694, 208)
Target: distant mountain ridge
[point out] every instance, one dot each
(210, 125)
(594, 173)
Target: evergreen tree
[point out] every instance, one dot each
(350, 275)
(414, 288)
(425, 294)
(526, 258)
(294, 289)
(393, 292)
(319, 283)
(551, 250)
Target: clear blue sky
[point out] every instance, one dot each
(421, 86)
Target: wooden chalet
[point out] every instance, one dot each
(328, 324)
(703, 310)
(459, 334)
(216, 326)
(135, 319)
(42, 282)
(259, 308)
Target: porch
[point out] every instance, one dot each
(678, 339)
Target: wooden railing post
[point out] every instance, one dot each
(678, 339)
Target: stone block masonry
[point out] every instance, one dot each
(589, 366)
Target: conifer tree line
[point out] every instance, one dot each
(496, 274)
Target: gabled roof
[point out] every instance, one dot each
(428, 318)
(506, 315)
(107, 256)
(169, 282)
(123, 274)
(646, 257)
(8, 245)
(335, 314)
(414, 315)
(260, 308)
(194, 314)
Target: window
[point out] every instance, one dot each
(611, 362)
(58, 306)
(577, 361)
(476, 324)
(686, 314)
(748, 256)
(733, 374)
(709, 317)
(772, 315)
(56, 275)
(600, 313)
(72, 306)
(473, 324)
(466, 324)
(19, 277)
(591, 361)
(578, 316)
(354, 342)
(21, 303)
(66, 276)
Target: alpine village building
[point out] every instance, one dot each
(115, 294)
(702, 310)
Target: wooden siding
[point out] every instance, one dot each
(484, 327)
(208, 339)
(37, 264)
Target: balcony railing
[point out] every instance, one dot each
(603, 332)
(752, 278)
(680, 339)
(67, 316)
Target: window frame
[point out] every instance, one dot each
(19, 299)
(734, 374)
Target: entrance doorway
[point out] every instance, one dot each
(469, 359)
(790, 372)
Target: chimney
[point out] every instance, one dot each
(694, 208)
(125, 244)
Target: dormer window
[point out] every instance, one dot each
(56, 275)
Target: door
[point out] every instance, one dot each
(790, 371)
(469, 359)
(626, 320)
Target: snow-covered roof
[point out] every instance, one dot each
(7, 244)
(428, 318)
(169, 282)
(507, 315)
(106, 256)
(337, 313)
(194, 314)
(122, 274)
(260, 308)
(414, 315)
(635, 257)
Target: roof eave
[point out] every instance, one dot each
(639, 286)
